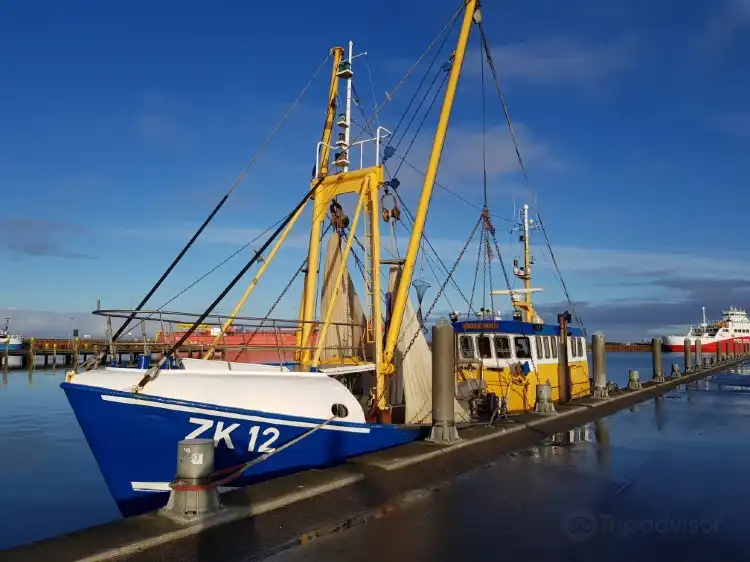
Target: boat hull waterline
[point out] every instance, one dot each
(134, 439)
(676, 344)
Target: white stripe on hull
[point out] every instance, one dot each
(233, 415)
(164, 487)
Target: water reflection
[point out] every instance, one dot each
(603, 449)
(659, 414)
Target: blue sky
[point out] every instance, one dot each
(123, 124)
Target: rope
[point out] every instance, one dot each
(413, 67)
(424, 118)
(452, 192)
(97, 358)
(372, 89)
(442, 287)
(437, 256)
(217, 478)
(484, 130)
(209, 272)
(527, 181)
(476, 269)
(153, 372)
(421, 103)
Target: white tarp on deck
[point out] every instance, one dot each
(413, 378)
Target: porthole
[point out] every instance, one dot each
(339, 410)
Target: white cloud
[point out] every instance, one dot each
(725, 22)
(560, 61)
(658, 264)
(461, 165)
(735, 124)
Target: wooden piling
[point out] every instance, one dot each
(32, 357)
(75, 352)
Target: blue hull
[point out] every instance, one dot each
(12, 347)
(134, 440)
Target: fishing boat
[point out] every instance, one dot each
(495, 357)
(357, 379)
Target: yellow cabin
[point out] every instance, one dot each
(510, 358)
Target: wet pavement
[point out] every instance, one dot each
(664, 480)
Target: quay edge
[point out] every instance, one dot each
(297, 508)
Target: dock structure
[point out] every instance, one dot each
(295, 509)
(66, 352)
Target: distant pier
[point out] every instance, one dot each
(53, 353)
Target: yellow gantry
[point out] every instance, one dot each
(366, 183)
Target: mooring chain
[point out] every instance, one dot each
(442, 287)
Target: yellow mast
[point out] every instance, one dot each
(402, 292)
(529, 311)
(307, 310)
(523, 273)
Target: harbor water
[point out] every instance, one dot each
(50, 483)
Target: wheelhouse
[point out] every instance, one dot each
(496, 343)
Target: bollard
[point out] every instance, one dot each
(544, 403)
(443, 430)
(718, 352)
(675, 371)
(698, 353)
(195, 465)
(634, 380)
(600, 366)
(688, 355)
(658, 375)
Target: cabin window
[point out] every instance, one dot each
(523, 347)
(583, 346)
(538, 344)
(553, 341)
(466, 347)
(485, 347)
(502, 347)
(546, 347)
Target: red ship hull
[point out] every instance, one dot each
(259, 347)
(728, 345)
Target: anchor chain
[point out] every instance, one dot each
(442, 287)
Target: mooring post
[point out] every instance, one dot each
(698, 353)
(544, 403)
(32, 357)
(54, 356)
(443, 430)
(6, 354)
(675, 371)
(600, 366)
(658, 375)
(193, 495)
(688, 355)
(718, 352)
(634, 380)
(75, 352)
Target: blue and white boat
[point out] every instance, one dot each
(358, 379)
(248, 410)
